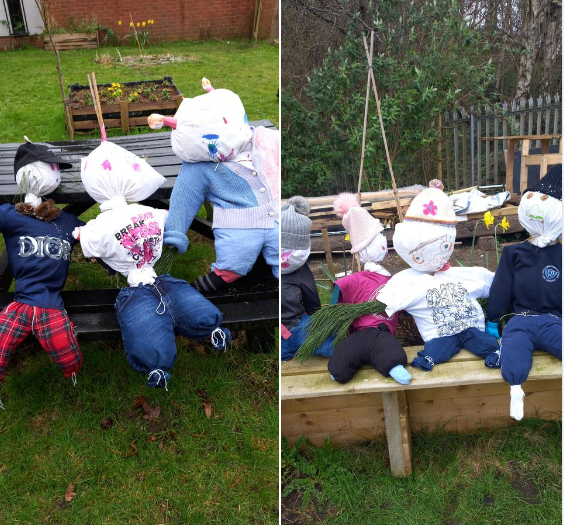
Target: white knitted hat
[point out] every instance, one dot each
(431, 205)
(358, 223)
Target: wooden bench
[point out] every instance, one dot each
(249, 304)
(461, 395)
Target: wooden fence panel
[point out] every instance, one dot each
(469, 160)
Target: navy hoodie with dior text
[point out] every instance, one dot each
(39, 253)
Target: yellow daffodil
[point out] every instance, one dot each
(119, 22)
(138, 24)
(505, 224)
(130, 24)
(488, 219)
(143, 24)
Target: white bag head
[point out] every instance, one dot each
(210, 127)
(425, 240)
(114, 176)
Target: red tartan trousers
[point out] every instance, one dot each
(51, 327)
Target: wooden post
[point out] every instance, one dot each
(275, 25)
(328, 254)
(524, 167)
(124, 108)
(398, 433)
(395, 189)
(258, 7)
(509, 157)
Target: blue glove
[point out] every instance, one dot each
(492, 329)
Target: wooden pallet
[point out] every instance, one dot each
(67, 41)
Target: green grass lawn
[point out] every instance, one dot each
(508, 476)
(174, 465)
(30, 100)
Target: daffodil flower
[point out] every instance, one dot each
(143, 24)
(130, 24)
(505, 224)
(488, 219)
(138, 24)
(119, 22)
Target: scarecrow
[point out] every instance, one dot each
(39, 243)
(441, 299)
(299, 297)
(372, 340)
(237, 169)
(527, 287)
(129, 239)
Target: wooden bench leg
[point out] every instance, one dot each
(398, 433)
(261, 341)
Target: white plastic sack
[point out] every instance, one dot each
(474, 201)
(426, 247)
(111, 172)
(38, 179)
(541, 216)
(210, 127)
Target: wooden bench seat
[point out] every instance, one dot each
(461, 395)
(253, 308)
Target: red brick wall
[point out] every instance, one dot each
(174, 19)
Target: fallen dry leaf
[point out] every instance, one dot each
(133, 451)
(139, 401)
(152, 439)
(206, 403)
(70, 494)
(151, 412)
(107, 423)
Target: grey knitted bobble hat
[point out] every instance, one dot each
(295, 224)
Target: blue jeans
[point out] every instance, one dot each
(151, 315)
(441, 349)
(521, 336)
(290, 346)
(237, 249)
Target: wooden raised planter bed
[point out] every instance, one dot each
(66, 41)
(121, 113)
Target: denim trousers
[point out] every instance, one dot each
(290, 346)
(151, 315)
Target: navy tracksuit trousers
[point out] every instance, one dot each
(521, 336)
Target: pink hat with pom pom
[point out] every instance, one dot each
(360, 225)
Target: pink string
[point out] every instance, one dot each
(103, 133)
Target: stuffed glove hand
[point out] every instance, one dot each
(493, 329)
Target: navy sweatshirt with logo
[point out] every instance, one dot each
(527, 279)
(39, 253)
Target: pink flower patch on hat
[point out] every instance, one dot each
(430, 209)
(106, 165)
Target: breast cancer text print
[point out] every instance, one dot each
(141, 238)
